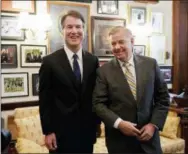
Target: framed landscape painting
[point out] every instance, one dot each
(57, 9)
(14, 84)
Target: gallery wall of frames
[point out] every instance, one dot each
(21, 54)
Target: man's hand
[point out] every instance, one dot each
(50, 141)
(147, 132)
(128, 128)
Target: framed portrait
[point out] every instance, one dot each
(31, 55)
(13, 6)
(167, 73)
(101, 27)
(138, 15)
(107, 7)
(57, 9)
(35, 84)
(157, 48)
(9, 30)
(8, 55)
(14, 84)
(157, 22)
(139, 50)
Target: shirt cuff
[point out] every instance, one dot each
(116, 124)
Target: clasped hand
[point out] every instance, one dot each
(129, 129)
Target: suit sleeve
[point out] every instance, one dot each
(161, 100)
(100, 100)
(45, 97)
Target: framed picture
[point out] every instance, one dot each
(157, 22)
(57, 9)
(8, 55)
(138, 15)
(35, 84)
(101, 27)
(31, 55)
(157, 45)
(139, 49)
(9, 30)
(14, 84)
(107, 7)
(167, 73)
(13, 6)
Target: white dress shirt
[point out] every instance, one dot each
(130, 65)
(70, 54)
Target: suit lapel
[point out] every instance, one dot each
(64, 62)
(121, 79)
(139, 77)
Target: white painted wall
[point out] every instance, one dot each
(163, 6)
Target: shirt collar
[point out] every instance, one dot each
(70, 53)
(130, 61)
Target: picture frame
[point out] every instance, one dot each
(108, 7)
(138, 15)
(9, 30)
(139, 50)
(157, 22)
(157, 48)
(8, 55)
(12, 6)
(167, 73)
(35, 84)
(101, 27)
(31, 55)
(14, 85)
(57, 9)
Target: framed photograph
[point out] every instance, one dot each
(31, 55)
(9, 30)
(14, 84)
(138, 15)
(13, 6)
(57, 9)
(101, 27)
(139, 50)
(157, 45)
(8, 55)
(167, 73)
(35, 84)
(157, 22)
(107, 7)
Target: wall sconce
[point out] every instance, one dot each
(36, 27)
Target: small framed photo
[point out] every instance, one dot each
(35, 84)
(107, 7)
(138, 15)
(9, 29)
(167, 73)
(139, 50)
(14, 84)
(31, 55)
(8, 55)
(157, 22)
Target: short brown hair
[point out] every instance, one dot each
(74, 14)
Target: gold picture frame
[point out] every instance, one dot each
(56, 9)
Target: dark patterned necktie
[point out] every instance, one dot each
(76, 68)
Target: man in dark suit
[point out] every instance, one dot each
(131, 98)
(67, 78)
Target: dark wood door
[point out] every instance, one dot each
(180, 45)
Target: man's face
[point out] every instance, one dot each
(73, 32)
(121, 45)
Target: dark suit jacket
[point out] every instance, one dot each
(65, 105)
(112, 98)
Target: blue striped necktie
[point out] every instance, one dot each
(76, 68)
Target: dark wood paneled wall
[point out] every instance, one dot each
(180, 45)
